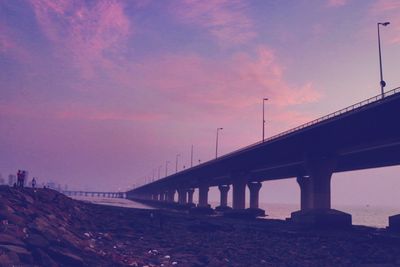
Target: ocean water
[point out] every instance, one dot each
(119, 202)
(374, 216)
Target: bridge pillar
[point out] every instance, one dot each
(321, 173)
(254, 188)
(203, 196)
(239, 193)
(223, 189)
(316, 195)
(305, 184)
(190, 195)
(171, 195)
(182, 196)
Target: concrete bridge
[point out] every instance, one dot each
(95, 194)
(364, 135)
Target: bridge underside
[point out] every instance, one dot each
(368, 137)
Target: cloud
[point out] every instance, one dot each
(225, 20)
(337, 3)
(214, 88)
(10, 46)
(87, 34)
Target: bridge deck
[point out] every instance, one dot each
(363, 135)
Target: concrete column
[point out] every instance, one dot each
(203, 195)
(239, 193)
(182, 196)
(306, 197)
(223, 189)
(171, 195)
(190, 195)
(254, 188)
(320, 171)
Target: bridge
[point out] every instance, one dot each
(364, 135)
(94, 194)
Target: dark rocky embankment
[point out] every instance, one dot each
(45, 228)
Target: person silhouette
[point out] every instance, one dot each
(19, 175)
(33, 182)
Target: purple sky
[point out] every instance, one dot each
(99, 94)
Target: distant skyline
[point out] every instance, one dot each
(99, 94)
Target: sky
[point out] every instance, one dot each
(99, 95)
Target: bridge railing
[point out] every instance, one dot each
(319, 120)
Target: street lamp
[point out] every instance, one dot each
(191, 157)
(216, 144)
(166, 168)
(176, 163)
(382, 83)
(263, 129)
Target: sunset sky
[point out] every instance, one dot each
(99, 94)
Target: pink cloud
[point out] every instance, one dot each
(337, 3)
(84, 33)
(212, 88)
(225, 20)
(10, 46)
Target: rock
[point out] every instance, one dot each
(37, 241)
(16, 249)
(10, 240)
(65, 257)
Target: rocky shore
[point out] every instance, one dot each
(45, 228)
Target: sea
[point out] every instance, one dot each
(373, 216)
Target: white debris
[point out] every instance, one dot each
(174, 263)
(167, 256)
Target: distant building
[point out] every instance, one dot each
(2, 180)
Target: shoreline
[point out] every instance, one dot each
(46, 228)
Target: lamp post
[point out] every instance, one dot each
(216, 144)
(166, 168)
(382, 82)
(191, 157)
(263, 129)
(176, 163)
